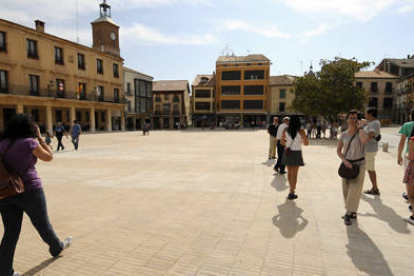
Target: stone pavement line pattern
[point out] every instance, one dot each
(207, 203)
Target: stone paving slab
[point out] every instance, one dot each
(208, 203)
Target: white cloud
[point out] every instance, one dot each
(316, 32)
(362, 10)
(406, 7)
(139, 33)
(239, 25)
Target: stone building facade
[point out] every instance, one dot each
(171, 101)
(202, 101)
(57, 80)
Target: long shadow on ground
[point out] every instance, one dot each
(365, 254)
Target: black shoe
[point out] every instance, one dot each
(276, 169)
(347, 219)
(410, 208)
(405, 196)
(292, 196)
(353, 215)
(282, 172)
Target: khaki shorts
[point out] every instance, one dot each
(370, 160)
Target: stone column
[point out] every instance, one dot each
(19, 108)
(49, 118)
(92, 118)
(72, 114)
(122, 120)
(108, 120)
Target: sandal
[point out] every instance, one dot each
(372, 192)
(353, 215)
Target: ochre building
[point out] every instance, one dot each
(171, 104)
(242, 89)
(57, 80)
(281, 96)
(202, 101)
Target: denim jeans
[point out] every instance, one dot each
(60, 145)
(75, 142)
(280, 150)
(33, 203)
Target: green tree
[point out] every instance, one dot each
(332, 90)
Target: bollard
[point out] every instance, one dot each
(385, 147)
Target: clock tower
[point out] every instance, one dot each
(105, 32)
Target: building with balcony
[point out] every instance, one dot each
(138, 96)
(242, 88)
(202, 101)
(281, 96)
(405, 99)
(380, 88)
(171, 101)
(57, 80)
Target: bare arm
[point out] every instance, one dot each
(362, 136)
(411, 150)
(282, 139)
(341, 156)
(401, 148)
(304, 137)
(42, 151)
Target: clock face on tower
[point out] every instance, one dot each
(113, 36)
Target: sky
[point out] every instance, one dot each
(178, 39)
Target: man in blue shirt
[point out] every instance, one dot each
(75, 131)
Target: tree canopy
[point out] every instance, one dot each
(332, 90)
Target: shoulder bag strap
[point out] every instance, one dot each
(349, 145)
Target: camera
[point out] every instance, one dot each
(378, 137)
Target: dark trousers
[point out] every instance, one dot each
(33, 203)
(60, 145)
(280, 149)
(75, 142)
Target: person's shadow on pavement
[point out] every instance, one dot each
(364, 253)
(40, 267)
(387, 214)
(290, 219)
(279, 183)
(269, 162)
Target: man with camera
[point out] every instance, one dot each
(372, 129)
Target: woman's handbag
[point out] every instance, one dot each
(10, 182)
(346, 172)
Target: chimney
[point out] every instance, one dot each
(40, 26)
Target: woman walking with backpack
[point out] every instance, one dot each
(20, 147)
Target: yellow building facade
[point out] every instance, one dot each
(281, 95)
(202, 101)
(57, 80)
(242, 89)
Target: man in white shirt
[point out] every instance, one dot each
(279, 167)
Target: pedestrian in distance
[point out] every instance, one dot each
(48, 140)
(59, 132)
(279, 167)
(351, 150)
(405, 132)
(409, 176)
(292, 138)
(372, 129)
(145, 128)
(21, 146)
(75, 132)
(272, 130)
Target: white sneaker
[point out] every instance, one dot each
(16, 274)
(410, 220)
(67, 242)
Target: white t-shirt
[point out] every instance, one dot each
(280, 130)
(295, 144)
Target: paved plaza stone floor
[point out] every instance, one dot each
(208, 203)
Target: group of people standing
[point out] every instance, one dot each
(357, 146)
(60, 131)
